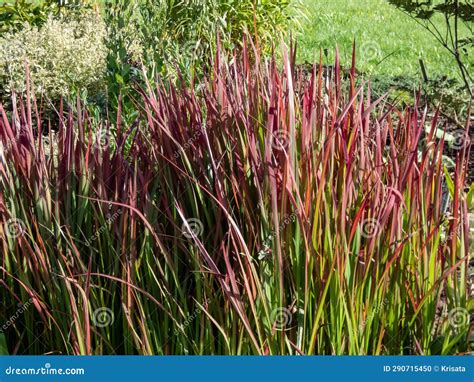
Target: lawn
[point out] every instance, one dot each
(389, 42)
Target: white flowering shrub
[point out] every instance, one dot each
(67, 53)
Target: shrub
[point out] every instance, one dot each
(168, 33)
(263, 212)
(178, 38)
(15, 13)
(66, 54)
(181, 22)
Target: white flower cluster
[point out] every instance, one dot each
(67, 52)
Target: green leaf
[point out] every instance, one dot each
(3, 345)
(470, 198)
(449, 182)
(119, 78)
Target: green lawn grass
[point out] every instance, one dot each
(389, 43)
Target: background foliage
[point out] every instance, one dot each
(66, 54)
(178, 37)
(454, 13)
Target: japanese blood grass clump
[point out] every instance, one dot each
(262, 211)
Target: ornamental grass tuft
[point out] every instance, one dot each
(264, 210)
